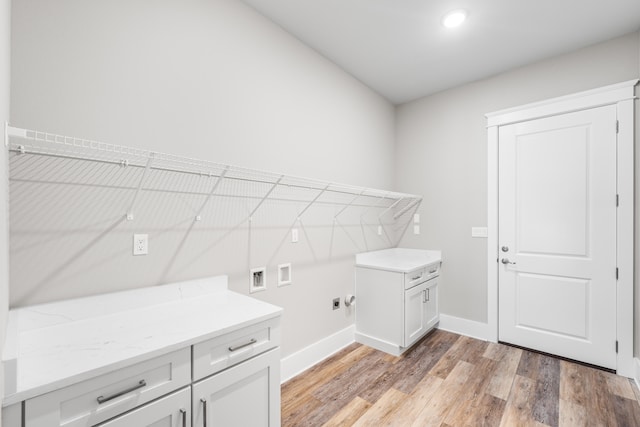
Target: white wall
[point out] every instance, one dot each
(441, 154)
(5, 49)
(210, 79)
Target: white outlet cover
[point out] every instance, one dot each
(379, 230)
(294, 235)
(140, 244)
(416, 229)
(416, 218)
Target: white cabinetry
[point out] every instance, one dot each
(397, 297)
(217, 354)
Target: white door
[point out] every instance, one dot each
(557, 231)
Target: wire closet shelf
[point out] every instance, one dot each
(268, 185)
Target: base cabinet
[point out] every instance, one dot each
(245, 395)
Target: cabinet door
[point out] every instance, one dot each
(414, 313)
(247, 394)
(169, 411)
(432, 312)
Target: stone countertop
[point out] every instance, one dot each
(54, 345)
(399, 260)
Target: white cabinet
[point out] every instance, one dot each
(420, 310)
(244, 395)
(173, 410)
(396, 307)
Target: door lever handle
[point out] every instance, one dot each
(506, 261)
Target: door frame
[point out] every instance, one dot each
(622, 96)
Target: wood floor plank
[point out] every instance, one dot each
(464, 348)
(349, 414)
(500, 384)
(434, 413)
(572, 414)
(619, 386)
(599, 405)
(408, 410)
(380, 413)
(487, 412)
(517, 411)
(495, 351)
(547, 394)
(471, 396)
(297, 411)
(529, 363)
(320, 373)
(415, 368)
(627, 411)
(573, 383)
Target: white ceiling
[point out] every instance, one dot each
(400, 49)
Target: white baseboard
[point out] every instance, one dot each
(636, 377)
(302, 360)
(461, 326)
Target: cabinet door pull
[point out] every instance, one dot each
(183, 412)
(238, 347)
(428, 294)
(204, 412)
(102, 399)
(424, 295)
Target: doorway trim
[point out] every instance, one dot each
(622, 96)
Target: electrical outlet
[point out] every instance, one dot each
(140, 244)
(416, 229)
(379, 230)
(294, 235)
(336, 303)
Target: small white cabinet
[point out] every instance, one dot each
(397, 297)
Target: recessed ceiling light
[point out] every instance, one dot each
(454, 18)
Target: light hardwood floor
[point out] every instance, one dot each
(452, 380)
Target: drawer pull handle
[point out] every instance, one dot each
(433, 271)
(184, 417)
(416, 278)
(238, 347)
(102, 399)
(204, 412)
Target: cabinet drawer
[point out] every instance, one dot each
(173, 410)
(100, 398)
(227, 350)
(418, 276)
